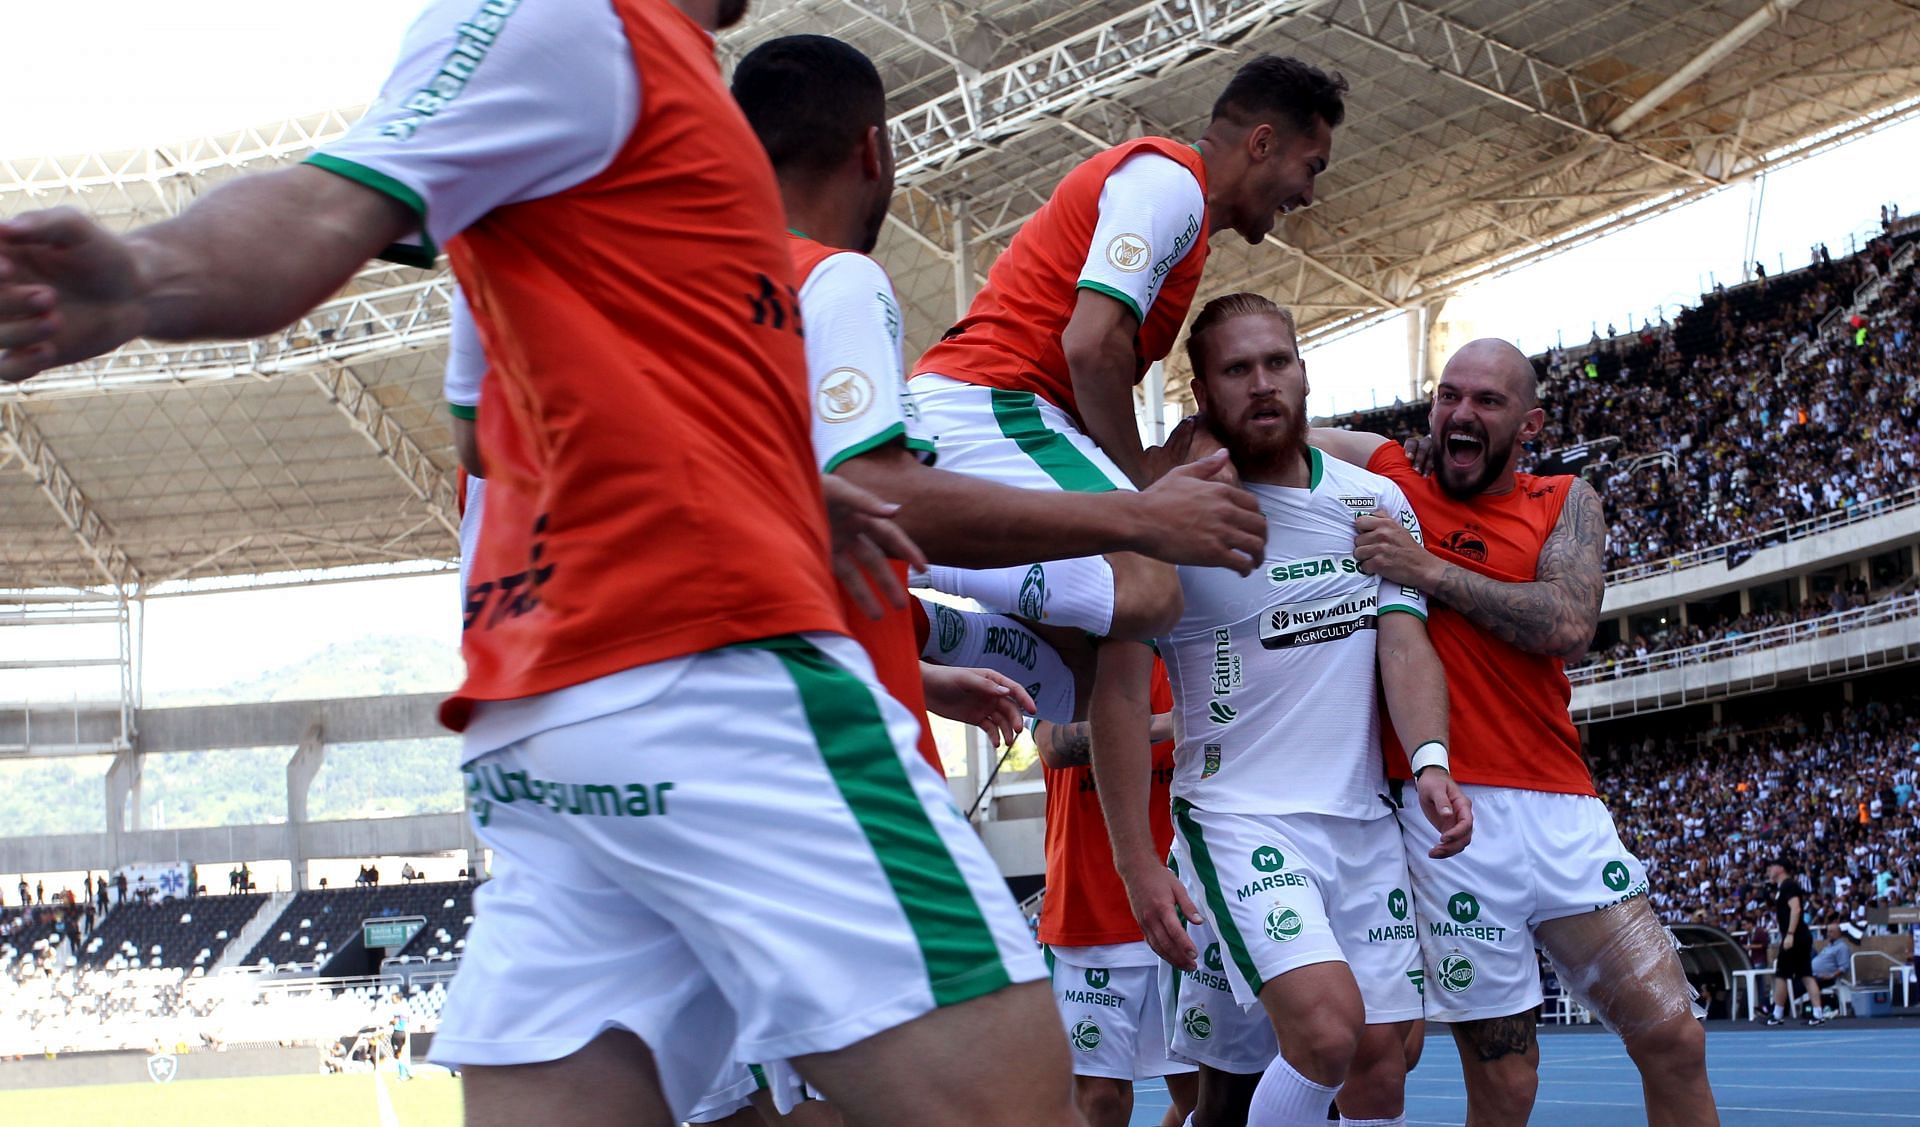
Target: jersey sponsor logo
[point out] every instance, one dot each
(1418, 976)
(1014, 644)
(1092, 998)
(1486, 933)
(1180, 244)
(1313, 568)
(1283, 925)
(949, 628)
(1210, 760)
(1226, 663)
(845, 394)
(1465, 545)
(1305, 624)
(1033, 594)
(1212, 958)
(1391, 933)
(1456, 973)
(517, 594)
(1197, 1024)
(1615, 877)
(1211, 981)
(1220, 712)
(890, 314)
(1085, 1035)
(1397, 904)
(474, 39)
(1464, 907)
(1097, 978)
(1268, 859)
(1127, 253)
(1360, 505)
(488, 783)
(1412, 524)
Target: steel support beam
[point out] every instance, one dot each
(1771, 11)
(1478, 61)
(19, 435)
(346, 391)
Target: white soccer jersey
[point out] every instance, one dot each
(858, 384)
(466, 360)
(1274, 674)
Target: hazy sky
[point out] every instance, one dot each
(154, 72)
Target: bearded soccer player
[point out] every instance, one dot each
(1283, 819)
(1513, 566)
(1105, 977)
(664, 731)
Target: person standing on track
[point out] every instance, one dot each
(1283, 819)
(1794, 964)
(1513, 566)
(666, 727)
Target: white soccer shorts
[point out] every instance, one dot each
(756, 864)
(734, 1091)
(1114, 1017)
(1535, 857)
(1288, 891)
(1205, 1024)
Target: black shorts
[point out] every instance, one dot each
(1795, 963)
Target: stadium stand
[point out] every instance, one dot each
(1770, 402)
(320, 922)
(171, 933)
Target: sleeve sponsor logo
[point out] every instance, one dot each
(1412, 524)
(474, 39)
(845, 394)
(890, 314)
(1304, 624)
(1128, 253)
(1165, 266)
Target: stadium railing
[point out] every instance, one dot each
(1773, 537)
(1890, 610)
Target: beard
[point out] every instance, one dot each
(730, 12)
(1259, 453)
(1464, 485)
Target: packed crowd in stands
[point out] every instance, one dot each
(1836, 794)
(1768, 422)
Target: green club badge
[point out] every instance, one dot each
(1085, 1035)
(1615, 876)
(1397, 903)
(1268, 859)
(1463, 907)
(1456, 973)
(1283, 925)
(1097, 979)
(1197, 1024)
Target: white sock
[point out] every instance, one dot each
(972, 640)
(1779, 1011)
(1397, 1121)
(1287, 1099)
(1076, 593)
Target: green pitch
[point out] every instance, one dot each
(432, 1100)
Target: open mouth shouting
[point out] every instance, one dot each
(1463, 448)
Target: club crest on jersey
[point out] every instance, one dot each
(1128, 253)
(1465, 545)
(845, 394)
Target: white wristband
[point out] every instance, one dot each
(1433, 753)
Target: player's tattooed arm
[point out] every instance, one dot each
(1071, 745)
(1557, 613)
(1498, 1037)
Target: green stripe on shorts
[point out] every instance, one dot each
(962, 959)
(1210, 880)
(759, 1076)
(1019, 419)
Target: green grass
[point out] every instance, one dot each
(432, 1100)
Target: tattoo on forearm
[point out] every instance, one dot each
(1498, 1037)
(1072, 744)
(1557, 612)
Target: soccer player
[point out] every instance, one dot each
(1283, 816)
(710, 828)
(1513, 565)
(1105, 977)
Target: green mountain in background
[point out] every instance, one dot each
(249, 786)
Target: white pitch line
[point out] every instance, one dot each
(1732, 1107)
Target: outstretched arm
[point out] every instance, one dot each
(1355, 447)
(1555, 614)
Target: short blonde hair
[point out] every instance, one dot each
(1223, 309)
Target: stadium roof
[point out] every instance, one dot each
(1481, 133)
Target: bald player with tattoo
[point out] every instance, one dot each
(1512, 565)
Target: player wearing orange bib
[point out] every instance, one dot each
(711, 831)
(1513, 567)
(1106, 979)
